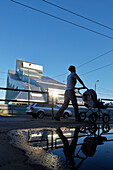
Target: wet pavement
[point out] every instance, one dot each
(80, 147)
(27, 143)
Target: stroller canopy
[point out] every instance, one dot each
(90, 97)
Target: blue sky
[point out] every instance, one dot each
(31, 36)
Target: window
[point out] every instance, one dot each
(56, 107)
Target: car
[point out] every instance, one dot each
(40, 110)
(110, 104)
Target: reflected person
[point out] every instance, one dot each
(69, 150)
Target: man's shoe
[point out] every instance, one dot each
(57, 118)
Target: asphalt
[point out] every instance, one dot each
(14, 158)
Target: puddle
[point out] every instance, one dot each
(67, 148)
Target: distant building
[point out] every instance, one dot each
(29, 76)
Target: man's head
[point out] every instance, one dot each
(72, 68)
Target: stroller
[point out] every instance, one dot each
(94, 107)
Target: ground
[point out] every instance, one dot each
(13, 158)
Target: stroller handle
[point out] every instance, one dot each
(79, 88)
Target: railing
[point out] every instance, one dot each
(57, 102)
(53, 141)
(29, 101)
(107, 100)
(27, 91)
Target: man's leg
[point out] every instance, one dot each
(63, 107)
(75, 105)
(62, 137)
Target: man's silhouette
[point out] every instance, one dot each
(69, 149)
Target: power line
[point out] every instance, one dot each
(95, 58)
(105, 94)
(69, 23)
(60, 75)
(87, 62)
(107, 90)
(97, 69)
(2, 79)
(78, 15)
(3, 72)
(61, 19)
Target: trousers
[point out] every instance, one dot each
(69, 96)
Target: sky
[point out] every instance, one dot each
(30, 35)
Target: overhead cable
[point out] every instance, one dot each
(61, 19)
(3, 72)
(78, 15)
(97, 69)
(107, 90)
(60, 75)
(101, 93)
(95, 58)
(2, 79)
(88, 62)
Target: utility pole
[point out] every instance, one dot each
(28, 86)
(28, 80)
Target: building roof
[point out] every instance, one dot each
(41, 83)
(44, 81)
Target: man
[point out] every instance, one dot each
(70, 94)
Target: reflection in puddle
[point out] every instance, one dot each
(72, 148)
(47, 138)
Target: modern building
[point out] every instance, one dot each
(29, 76)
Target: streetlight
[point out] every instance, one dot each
(96, 85)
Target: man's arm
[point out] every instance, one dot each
(78, 78)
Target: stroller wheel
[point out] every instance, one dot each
(93, 128)
(105, 118)
(105, 128)
(83, 115)
(83, 129)
(93, 117)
